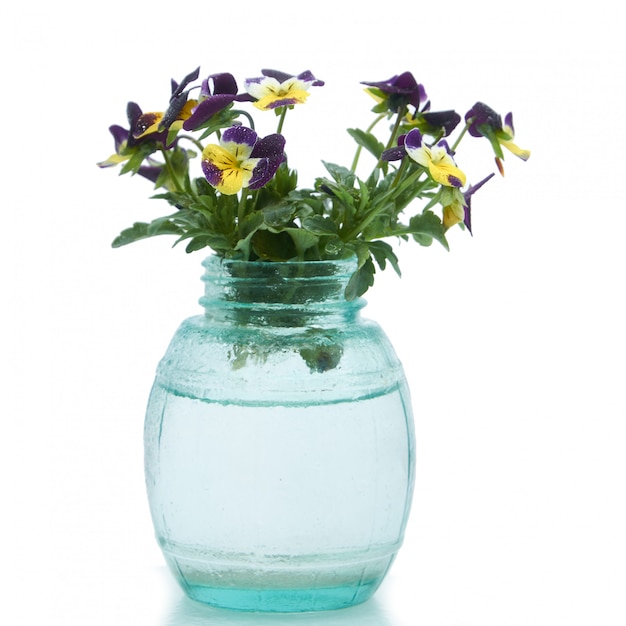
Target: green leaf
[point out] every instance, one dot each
(163, 226)
(250, 224)
(277, 215)
(271, 246)
(171, 136)
(333, 247)
(361, 280)
(383, 252)
(427, 226)
(340, 174)
(134, 163)
(365, 195)
(143, 230)
(319, 225)
(302, 239)
(367, 141)
(203, 188)
(338, 192)
(197, 243)
(139, 230)
(223, 119)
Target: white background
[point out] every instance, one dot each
(513, 342)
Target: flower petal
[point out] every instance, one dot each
(114, 159)
(241, 135)
(270, 150)
(147, 124)
(516, 150)
(413, 140)
(467, 195)
(446, 173)
(120, 136)
(281, 77)
(207, 109)
(225, 171)
(393, 154)
(272, 94)
(223, 83)
(405, 86)
(485, 116)
(178, 89)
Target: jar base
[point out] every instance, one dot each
(318, 584)
(284, 600)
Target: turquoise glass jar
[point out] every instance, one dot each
(279, 442)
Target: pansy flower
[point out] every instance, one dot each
(433, 122)
(242, 160)
(122, 152)
(152, 122)
(397, 92)
(126, 145)
(277, 89)
(485, 122)
(179, 109)
(209, 103)
(437, 159)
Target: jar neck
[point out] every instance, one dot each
(289, 294)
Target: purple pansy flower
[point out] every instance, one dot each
(242, 160)
(398, 91)
(485, 122)
(212, 102)
(434, 122)
(179, 109)
(126, 145)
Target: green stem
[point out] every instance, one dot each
(170, 169)
(396, 127)
(384, 200)
(281, 121)
(403, 165)
(394, 135)
(361, 226)
(245, 114)
(465, 129)
(412, 179)
(241, 212)
(193, 140)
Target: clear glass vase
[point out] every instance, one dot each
(279, 442)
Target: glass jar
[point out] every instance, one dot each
(279, 442)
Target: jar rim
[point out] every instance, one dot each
(213, 259)
(336, 269)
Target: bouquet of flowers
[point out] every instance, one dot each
(245, 202)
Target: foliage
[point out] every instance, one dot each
(246, 202)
